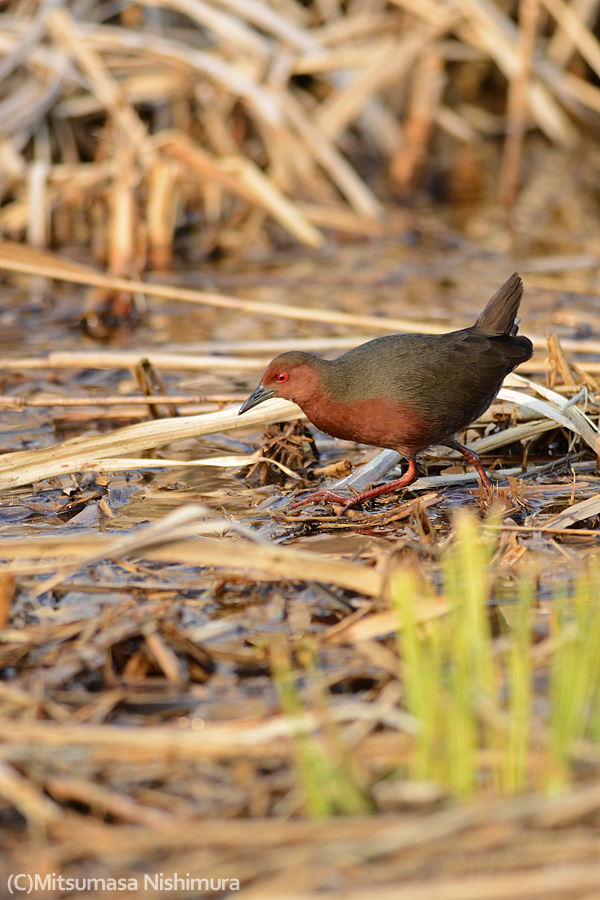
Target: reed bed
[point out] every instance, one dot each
(249, 124)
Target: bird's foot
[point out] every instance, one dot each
(349, 502)
(332, 497)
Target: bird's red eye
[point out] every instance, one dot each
(282, 377)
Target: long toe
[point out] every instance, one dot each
(348, 504)
(323, 495)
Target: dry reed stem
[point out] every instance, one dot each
(496, 34)
(566, 411)
(340, 171)
(582, 37)
(422, 109)
(487, 29)
(105, 801)
(117, 400)
(28, 466)
(16, 258)
(125, 464)
(585, 509)
(65, 30)
(242, 177)
(37, 809)
(268, 564)
(125, 359)
(394, 61)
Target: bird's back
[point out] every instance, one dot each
(427, 387)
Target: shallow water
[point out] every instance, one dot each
(434, 277)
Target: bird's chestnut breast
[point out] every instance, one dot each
(379, 421)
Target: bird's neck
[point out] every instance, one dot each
(321, 390)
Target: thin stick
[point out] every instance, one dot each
(117, 400)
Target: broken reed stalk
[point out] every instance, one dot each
(187, 536)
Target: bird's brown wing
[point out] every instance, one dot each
(448, 379)
(464, 372)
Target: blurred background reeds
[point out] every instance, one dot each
(246, 123)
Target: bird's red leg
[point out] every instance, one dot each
(409, 476)
(472, 457)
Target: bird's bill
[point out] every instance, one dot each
(257, 396)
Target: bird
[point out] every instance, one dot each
(404, 392)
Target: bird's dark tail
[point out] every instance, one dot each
(500, 315)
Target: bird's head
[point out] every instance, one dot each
(292, 376)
